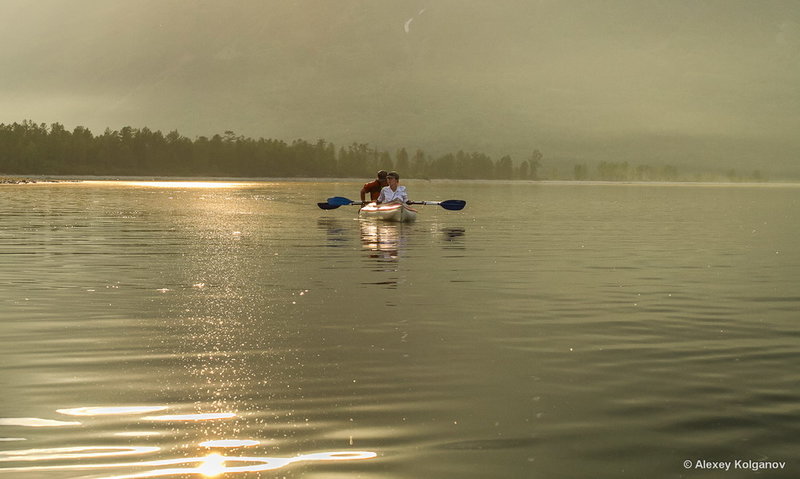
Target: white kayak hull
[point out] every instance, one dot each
(395, 212)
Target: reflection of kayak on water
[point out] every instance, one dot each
(396, 212)
(383, 241)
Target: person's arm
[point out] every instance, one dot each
(381, 197)
(364, 191)
(403, 195)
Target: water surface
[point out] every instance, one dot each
(547, 330)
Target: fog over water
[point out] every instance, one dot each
(710, 83)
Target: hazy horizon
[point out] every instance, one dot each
(712, 84)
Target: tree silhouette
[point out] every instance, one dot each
(39, 149)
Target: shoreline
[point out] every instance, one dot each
(25, 180)
(35, 179)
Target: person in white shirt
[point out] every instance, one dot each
(394, 193)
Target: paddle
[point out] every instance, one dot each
(326, 206)
(453, 205)
(338, 201)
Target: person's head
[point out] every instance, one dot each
(392, 177)
(382, 175)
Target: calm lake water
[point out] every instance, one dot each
(545, 331)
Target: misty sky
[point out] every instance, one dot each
(650, 82)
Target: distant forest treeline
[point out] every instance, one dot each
(29, 148)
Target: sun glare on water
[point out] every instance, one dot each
(107, 411)
(191, 417)
(183, 184)
(214, 465)
(174, 184)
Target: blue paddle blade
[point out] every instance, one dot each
(454, 205)
(339, 201)
(326, 206)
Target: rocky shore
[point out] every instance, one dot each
(17, 180)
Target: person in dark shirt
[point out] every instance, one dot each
(374, 187)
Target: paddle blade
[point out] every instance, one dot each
(339, 201)
(453, 205)
(326, 206)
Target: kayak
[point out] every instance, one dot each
(397, 212)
